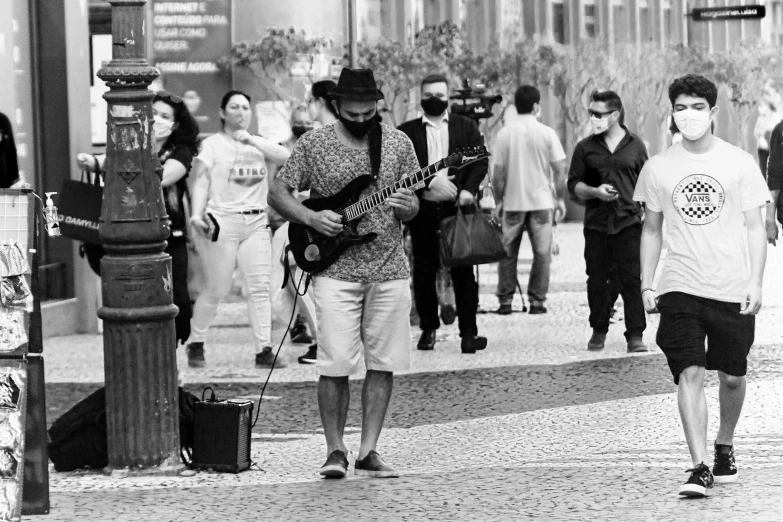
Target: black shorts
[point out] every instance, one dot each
(686, 320)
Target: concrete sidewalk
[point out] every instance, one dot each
(531, 457)
(614, 460)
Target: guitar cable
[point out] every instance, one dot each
(288, 328)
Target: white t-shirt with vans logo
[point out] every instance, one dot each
(703, 197)
(237, 175)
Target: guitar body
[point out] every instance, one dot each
(314, 252)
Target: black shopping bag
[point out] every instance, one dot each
(470, 239)
(79, 204)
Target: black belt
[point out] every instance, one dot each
(253, 211)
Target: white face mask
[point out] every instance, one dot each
(693, 124)
(599, 124)
(162, 128)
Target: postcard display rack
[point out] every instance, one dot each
(24, 474)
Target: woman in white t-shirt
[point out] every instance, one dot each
(230, 187)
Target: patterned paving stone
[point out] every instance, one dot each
(618, 459)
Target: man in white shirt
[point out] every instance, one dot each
(526, 153)
(710, 194)
(435, 135)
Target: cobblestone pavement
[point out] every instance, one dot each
(534, 427)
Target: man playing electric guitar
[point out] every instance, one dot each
(363, 299)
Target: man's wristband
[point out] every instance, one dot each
(646, 289)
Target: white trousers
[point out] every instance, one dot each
(283, 298)
(244, 243)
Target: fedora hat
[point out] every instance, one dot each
(357, 84)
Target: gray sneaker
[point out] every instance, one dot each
(374, 466)
(336, 465)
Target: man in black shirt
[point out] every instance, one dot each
(9, 168)
(604, 169)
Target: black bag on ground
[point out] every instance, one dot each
(79, 439)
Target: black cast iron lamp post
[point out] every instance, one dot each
(139, 343)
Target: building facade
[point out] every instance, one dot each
(51, 49)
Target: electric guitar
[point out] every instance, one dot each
(315, 252)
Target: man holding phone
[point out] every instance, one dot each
(604, 169)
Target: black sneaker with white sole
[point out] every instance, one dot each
(336, 465)
(698, 483)
(311, 356)
(725, 469)
(374, 466)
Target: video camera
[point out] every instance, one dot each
(473, 102)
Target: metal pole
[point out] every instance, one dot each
(353, 35)
(142, 407)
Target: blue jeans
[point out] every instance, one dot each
(538, 224)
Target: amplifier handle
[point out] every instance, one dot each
(212, 394)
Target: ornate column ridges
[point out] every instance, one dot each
(139, 338)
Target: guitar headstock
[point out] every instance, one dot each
(464, 156)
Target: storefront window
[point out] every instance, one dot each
(590, 18)
(558, 22)
(16, 96)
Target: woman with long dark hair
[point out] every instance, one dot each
(176, 144)
(229, 198)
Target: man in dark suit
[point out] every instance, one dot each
(435, 135)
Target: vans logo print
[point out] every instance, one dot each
(698, 199)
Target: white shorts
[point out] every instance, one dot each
(355, 317)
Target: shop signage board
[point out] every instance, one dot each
(738, 12)
(188, 41)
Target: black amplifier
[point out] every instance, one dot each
(221, 435)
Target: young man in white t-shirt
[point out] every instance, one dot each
(710, 194)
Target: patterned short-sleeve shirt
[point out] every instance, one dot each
(322, 164)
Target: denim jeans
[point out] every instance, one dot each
(243, 243)
(538, 224)
(601, 251)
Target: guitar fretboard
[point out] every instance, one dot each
(368, 203)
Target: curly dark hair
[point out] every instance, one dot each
(185, 133)
(694, 85)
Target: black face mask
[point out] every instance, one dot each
(434, 106)
(299, 130)
(358, 129)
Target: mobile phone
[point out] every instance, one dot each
(213, 228)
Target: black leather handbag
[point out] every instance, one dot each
(468, 239)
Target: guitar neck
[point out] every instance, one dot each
(368, 203)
